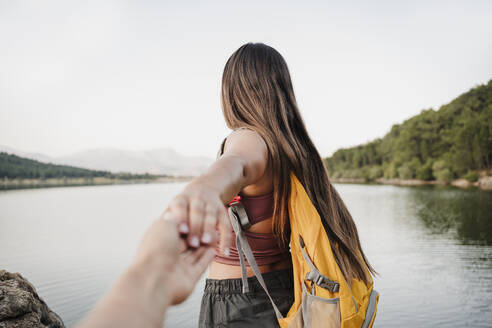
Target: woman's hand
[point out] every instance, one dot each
(200, 206)
(200, 211)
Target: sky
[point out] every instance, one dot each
(138, 75)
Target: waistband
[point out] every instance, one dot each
(273, 279)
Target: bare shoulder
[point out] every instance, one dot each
(245, 140)
(251, 147)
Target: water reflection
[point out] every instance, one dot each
(466, 214)
(72, 243)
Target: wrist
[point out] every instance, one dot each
(138, 299)
(202, 182)
(152, 273)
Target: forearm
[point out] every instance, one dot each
(227, 175)
(138, 299)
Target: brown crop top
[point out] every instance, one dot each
(264, 245)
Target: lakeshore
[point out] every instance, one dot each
(451, 145)
(484, 182)
(9, 184)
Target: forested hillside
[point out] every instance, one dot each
(452, 142)
(15, 167)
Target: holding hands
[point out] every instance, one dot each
(199, 211)
(163, 250)
(172, 255)
(177, 248)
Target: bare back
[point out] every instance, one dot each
(240, 139)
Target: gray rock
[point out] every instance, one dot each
(21, 306)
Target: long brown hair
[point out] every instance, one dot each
(257, 93)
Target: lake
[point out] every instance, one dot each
(431, 246)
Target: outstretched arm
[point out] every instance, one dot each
(200, 206)
(165, 270)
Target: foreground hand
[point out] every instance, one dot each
(163, 273)
(200, 211)
(163, 248)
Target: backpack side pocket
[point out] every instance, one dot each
(319, 311)
(316, 311)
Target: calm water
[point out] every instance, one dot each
(432, 248)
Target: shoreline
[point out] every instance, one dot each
(483, 183)
(15, 184)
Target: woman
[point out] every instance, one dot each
(269, 140)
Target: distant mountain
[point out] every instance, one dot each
(34, 156)
(16, 167)
(157, 161)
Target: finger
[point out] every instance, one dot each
(209, 233)
(197, 261)
(167, 225)
(226, 232)
(203, 261)
(169, 217)
(192, 255)
(197, 213)
(182, 247)
(179, 207)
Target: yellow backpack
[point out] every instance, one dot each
(322, 296)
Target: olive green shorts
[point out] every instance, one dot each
(224, 304)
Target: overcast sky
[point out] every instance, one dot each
(138, 75)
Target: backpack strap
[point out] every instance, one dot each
(314, 275)
(321, 280)
(243, 247)
(243, 265)
(221, 149)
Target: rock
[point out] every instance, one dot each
(485, 183)
(20, 305)
(407, 182)
(461, 183)
(348, 180)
